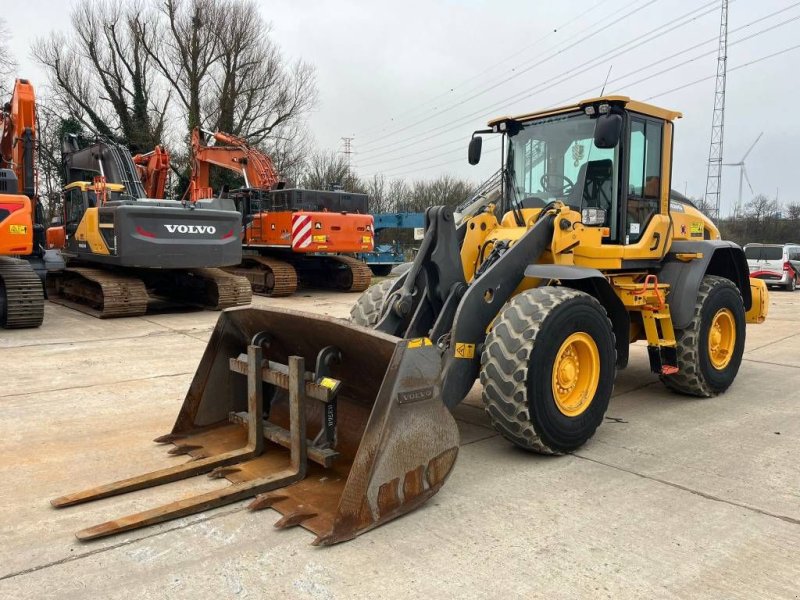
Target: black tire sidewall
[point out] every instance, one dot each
(724, 296)
(557, 430)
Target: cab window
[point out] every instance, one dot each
(644, 176)
(74, 208)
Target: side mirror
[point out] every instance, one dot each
(607, 130)
(474, 153)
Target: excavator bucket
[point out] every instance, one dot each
(339, 428)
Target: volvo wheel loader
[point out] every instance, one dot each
(538, 288)
(124, 250)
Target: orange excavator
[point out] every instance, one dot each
(21, 216)
(153, 168)
(290, 235)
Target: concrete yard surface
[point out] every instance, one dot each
(674, 497)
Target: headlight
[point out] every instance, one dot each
(593, 216)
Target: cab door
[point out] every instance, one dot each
(643, 199)
(74, 211)
(646, 226)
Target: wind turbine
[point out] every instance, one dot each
(743, 174)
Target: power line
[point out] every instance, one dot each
(622, 77)
(585, 66)
(689, 84)
(731, 70)
(558, 29)
(516, 74)
(490, 68)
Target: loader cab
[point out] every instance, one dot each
(607, 158)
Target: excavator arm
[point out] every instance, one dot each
(153, 168)
(228, 152)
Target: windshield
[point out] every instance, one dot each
(555, 158)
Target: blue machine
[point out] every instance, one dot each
(388, 255)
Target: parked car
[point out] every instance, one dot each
(777, 264)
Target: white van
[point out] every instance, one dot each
(776, 264)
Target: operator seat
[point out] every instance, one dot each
(594, 187)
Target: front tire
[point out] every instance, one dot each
(369, 306)
(710, 348)
(548, 369)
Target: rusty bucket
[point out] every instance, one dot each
(337, 427)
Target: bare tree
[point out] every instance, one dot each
(793, 211)
(51, 128)
(101, 75)
(8, 65)
(226, 71)
(326, 170)
(183, 43)
(761, 208)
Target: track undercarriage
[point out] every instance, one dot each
(106, 293)
(281, 275)
(21, 294)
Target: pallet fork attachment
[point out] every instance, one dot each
(367, 435)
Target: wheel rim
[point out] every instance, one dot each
(721, 338)
(576, 374)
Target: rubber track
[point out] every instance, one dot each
(369, 305)
(24, 294)
(231, 290)
(688, 379)
(268, 276)
(100, 293)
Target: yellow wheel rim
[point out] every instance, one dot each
(576, 374)
(721, 338)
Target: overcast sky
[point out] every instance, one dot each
(411, 80)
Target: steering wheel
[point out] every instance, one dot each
(560, 187)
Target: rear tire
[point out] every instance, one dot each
(697, 374)
(523, 360)
(792, 285)
(369, 306)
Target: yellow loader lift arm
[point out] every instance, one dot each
(539, 292)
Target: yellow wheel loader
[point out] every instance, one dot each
(537, 287)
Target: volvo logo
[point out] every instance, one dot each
(191, 229)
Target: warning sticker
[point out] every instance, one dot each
(328, 383)
(419, 342)
(465, 350)
(697, 229)
(18, 229)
